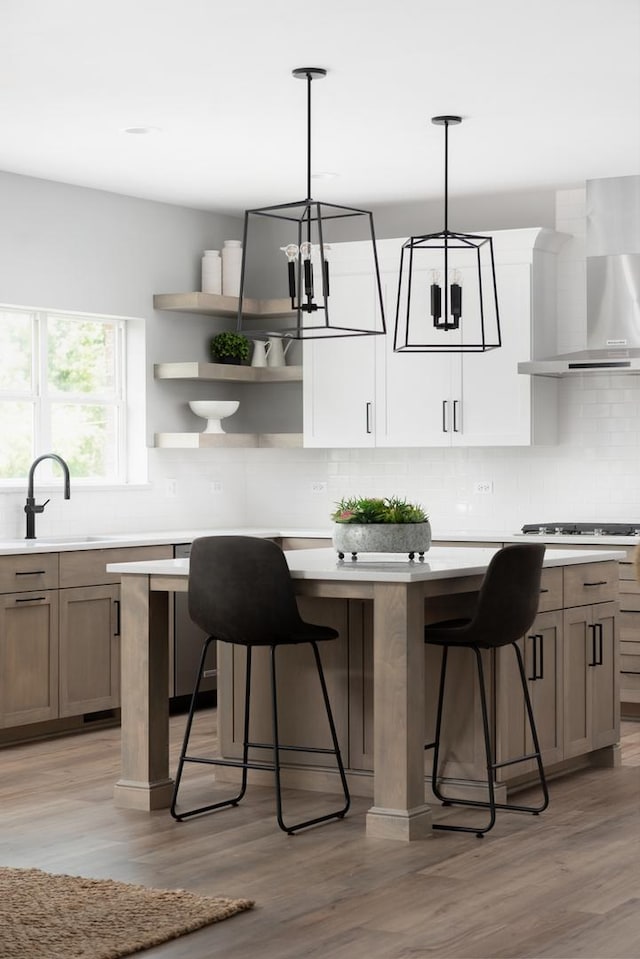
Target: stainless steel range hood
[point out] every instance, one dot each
(613, 285)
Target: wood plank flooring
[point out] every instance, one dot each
(562, 885)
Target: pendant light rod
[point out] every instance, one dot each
(309, 74)
(445, 121)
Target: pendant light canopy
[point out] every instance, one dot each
(287, 250)
(447, 296)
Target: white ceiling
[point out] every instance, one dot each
(549, 89)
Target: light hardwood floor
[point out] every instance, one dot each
(565, 884)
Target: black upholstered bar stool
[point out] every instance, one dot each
(240, 592)
(506, 608)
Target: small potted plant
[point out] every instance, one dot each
(380, 525)
(229, 348)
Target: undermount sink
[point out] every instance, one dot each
(70, 539)
(61, 540)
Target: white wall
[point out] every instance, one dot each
(70, 248)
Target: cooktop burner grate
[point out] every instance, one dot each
(583, 529)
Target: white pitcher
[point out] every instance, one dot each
(260, 353)
(277, 351)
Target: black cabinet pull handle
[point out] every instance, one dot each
(31, 599)
(593, 646)
(116, 603)
(600, 582)
(600, 657)
(30, 572)
(544, 590)
(534, 675)
(455, 416)
(538, 656)
(444, 416)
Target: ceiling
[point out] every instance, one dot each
(549, 91)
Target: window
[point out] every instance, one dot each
(63, 390)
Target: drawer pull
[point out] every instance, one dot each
(31, 572)
(31, 599)
(544, 589)
(116, 603)
(599, 582)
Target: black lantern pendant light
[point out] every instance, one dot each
(302, 280)
(447, 296)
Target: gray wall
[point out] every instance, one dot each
(70, 248)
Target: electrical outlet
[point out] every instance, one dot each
(483, 486)
(319, 486)
(216, 486)
(170, 488)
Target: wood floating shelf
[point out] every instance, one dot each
(209, 304)
(227, 372)
(203, 441)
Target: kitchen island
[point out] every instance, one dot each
(400, 595)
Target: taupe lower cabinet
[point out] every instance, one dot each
(59, 633)
(571, 662)
(89, 649)
(28, 638)
(28, 657)
(591, 668)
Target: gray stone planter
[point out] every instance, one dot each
(357, 538)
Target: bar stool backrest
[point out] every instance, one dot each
(509, 596)
(240, 591)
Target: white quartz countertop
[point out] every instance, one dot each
(439, 563)
(56, 544)
(50, 544)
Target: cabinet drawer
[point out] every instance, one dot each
(630, 656)
(590, 583)
(550, 589)
(30, 571)
(87, 567)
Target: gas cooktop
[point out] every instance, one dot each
(583, 529)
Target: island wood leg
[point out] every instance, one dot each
(399, 810)
(144, 783)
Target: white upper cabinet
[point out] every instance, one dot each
(358, 392)
(340, 374)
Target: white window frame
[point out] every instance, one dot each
(128, 398)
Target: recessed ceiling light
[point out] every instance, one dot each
(141, 131)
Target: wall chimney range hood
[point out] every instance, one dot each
(613, 285)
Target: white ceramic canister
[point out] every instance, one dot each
(231, 267)
(211, 272)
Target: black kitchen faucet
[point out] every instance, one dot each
(31, 508)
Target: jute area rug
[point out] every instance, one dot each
(46, 916)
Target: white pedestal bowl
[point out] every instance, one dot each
(214, 411)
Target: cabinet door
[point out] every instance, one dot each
(339, 373)
(495, 399)
(415, 391)
(542, 651)
(301, 714)
(591, 709)
(605, 676)
(28, 657)
(89, 649)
